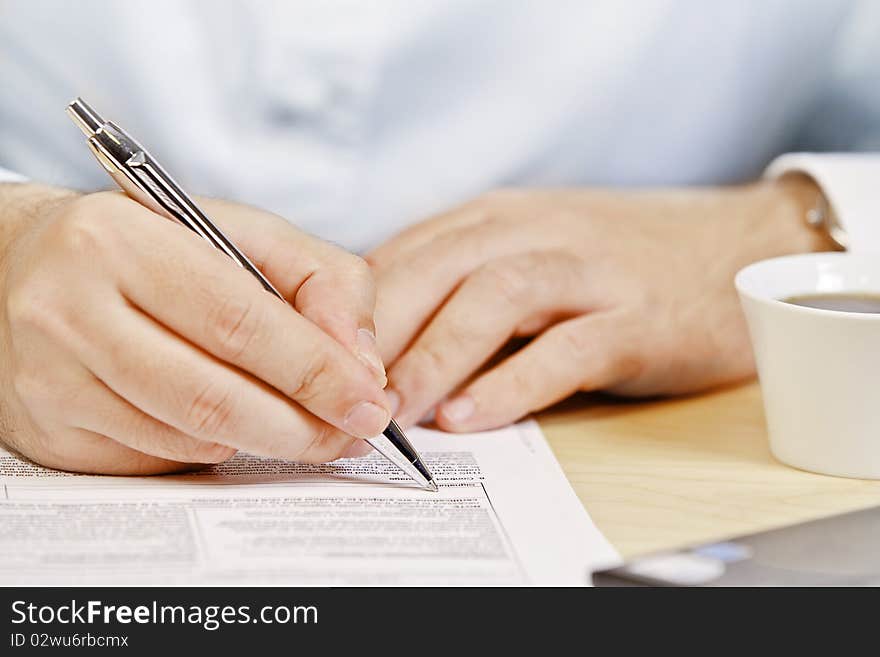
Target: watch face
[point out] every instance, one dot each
(822, 217)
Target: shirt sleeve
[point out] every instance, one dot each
(849, 182)
(9, 176)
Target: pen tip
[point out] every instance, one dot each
(431, 486)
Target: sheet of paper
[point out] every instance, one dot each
(505, 514)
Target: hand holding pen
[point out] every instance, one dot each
(139, 348)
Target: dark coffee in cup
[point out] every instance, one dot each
(850, 302)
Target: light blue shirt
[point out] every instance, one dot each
(354, 119)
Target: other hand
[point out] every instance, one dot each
(630, 292)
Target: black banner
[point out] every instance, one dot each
(243, 620)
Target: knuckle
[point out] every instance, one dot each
(578, 344)
(458, 334)
(31, 387)
(358, 267)
(235, 326)
(210, 412)
(627, 361)
(200, 451)
(524, 382)
(28, 306)
(431, 355)
(122, 366)
(308, 383)
(40, 308)
(321, 446)
(339, 260)
(166, 442)
(357, 274)
(83, 228)
(510, 281)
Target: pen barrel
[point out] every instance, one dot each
(176, 204)
(143, 179)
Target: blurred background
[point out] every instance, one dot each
(354, 119)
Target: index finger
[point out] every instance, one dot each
(326, 284)
(200, 294)
(415, 286)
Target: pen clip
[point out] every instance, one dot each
(102, 156)
(168, 199)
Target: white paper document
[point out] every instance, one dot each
(504, 514)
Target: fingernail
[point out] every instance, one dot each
(459, 409)
(393, 400)
(368, 352)
(366, 420)
(357, 449)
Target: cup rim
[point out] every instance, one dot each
(770, 301)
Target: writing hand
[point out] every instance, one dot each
(132, 346)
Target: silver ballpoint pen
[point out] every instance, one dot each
(144, 180)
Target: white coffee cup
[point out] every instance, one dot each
(819, 369)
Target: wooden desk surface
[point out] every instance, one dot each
(663, 474)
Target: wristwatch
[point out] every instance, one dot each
(822, 217)
(848, 208)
